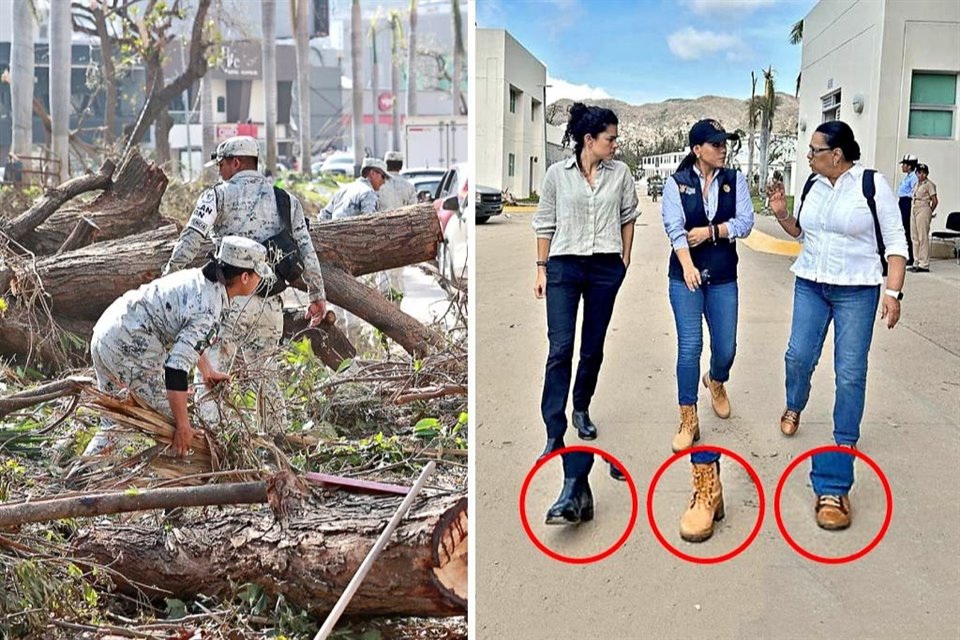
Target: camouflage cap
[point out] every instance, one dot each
(237, 146)
(245, 254)
(374, 163)
(393, 156)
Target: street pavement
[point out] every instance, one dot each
(906, 587)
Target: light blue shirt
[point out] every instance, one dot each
(905, 190)
(674, 219)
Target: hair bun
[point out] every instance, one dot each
(577, 110)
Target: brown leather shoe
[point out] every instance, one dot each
(706, 503)
(789, 422)
(689, 431)
(718, 396)
(833, 512)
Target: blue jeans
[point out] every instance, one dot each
(717, 304)
(596, 279)
(852, 309)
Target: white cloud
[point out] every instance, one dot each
(706, 7)
(691, 44)
(563, 89)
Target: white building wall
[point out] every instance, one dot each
(871, 48)
(503, 64)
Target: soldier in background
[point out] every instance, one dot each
(245, 204)
(150, 338)
(360, 196)
(398, 191)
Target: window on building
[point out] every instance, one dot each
(511, 161)
(830, 106)
(514, 98)
(534, 109)
(933, 103)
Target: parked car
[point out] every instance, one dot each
(339, 163)
(410, 174)
(451, 203)
(488, 201)
(654, 187)
(426, 186)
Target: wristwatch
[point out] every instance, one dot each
(898, 295)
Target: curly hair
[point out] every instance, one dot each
(584, 120)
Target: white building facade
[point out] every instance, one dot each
(890, 70)
(510, 135)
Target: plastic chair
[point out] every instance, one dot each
(952, 234)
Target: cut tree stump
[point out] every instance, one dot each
(309, 558)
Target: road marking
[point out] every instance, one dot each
(765, 243)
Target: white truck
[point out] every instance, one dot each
(434, 142)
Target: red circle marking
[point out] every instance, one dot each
(839, 559)
(579, 559)
(714, 559)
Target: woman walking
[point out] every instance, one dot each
(850, 224)
(584, 225)
(706, 207)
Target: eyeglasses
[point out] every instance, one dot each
(812, 151)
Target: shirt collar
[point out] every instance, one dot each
(571, 162)
(246, 173)
(853, 173)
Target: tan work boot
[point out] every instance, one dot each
(689, 431)
(706, 503)
(789, 422)
(718, 396)
(833, 512)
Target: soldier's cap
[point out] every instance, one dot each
(235, 147)
(922, 167)
(245, 254)
(374, 163)
(393, 156)
(909, 159)
(709, 131)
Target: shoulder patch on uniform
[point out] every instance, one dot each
(205, 213)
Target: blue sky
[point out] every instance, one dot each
(651, 50)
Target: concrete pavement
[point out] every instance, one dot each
(908, 587)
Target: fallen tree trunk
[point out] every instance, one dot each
(43, 393)
(326, 340)
(54, 198)
(129, 204)
(309, 558)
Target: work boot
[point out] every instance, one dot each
(706, 503)
(789, 422)
(574, 504)
(585, 427)
(718, 396)
(833, 512)
(689, 431)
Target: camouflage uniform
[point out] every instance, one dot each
(166, 323)
(246, 206)
(396, 192)
(353, 199)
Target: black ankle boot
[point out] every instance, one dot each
(585, 427)
(574, 504)
(552, 445)
(616, 474)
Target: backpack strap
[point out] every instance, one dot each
(869, 192)
(283, 207)
(803, 195)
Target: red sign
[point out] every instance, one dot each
(385, 101)
(230, 130)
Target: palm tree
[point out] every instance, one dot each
(752, 123)
(60, 43)
(457, 56)
(396, 44)
(268, 14)
(356, 64)
(767, 107)
(796, 37)
(375, 83)
(207, 129)
(412, 62)
(298, 16)
(25, 29)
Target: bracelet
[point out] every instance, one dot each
(784, 218)
(713, 233)
(541, 263)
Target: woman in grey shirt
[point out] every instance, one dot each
(584, 226)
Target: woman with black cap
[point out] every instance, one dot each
(706, 207)
(584, 225)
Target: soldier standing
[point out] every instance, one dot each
(360, 196)
(398, 191)
(245, 204)
(150, 338)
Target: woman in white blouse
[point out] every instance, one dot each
(840, 272)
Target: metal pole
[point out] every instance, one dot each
(381, 542)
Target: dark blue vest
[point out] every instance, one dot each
(719, 259)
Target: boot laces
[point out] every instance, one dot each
(831, 501)
(791, 416)
(701, 486)
(687, 420)
(718, 389)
